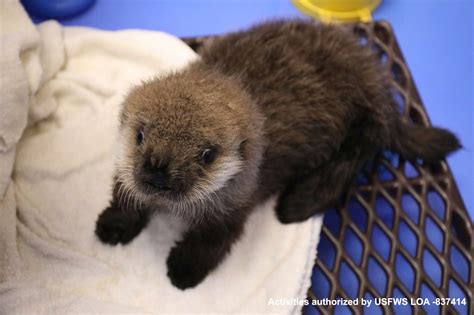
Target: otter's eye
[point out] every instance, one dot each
(208, 156)
(140, 137)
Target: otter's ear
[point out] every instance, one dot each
(243, 148)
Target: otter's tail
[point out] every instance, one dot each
(428, 143)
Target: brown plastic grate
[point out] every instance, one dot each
(403, 230)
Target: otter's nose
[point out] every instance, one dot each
(158, 180)
(156, 176)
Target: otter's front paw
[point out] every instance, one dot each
(115, 226)
(184, 268)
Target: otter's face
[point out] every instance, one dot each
(184, 139)
(180, 165)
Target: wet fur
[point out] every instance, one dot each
(296, 109)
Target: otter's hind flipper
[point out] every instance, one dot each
(320, 191)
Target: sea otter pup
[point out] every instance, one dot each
(286, 108)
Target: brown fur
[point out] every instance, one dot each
(298, 108)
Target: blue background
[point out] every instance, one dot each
(436, 37)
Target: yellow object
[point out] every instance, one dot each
(338, 10)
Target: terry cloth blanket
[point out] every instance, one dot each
(61, 91)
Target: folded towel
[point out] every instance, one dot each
(61, 92)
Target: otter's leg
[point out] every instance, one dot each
(201, 250)
(320, 191)
(118, 225)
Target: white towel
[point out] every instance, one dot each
(65, 86)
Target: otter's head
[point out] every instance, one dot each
(187, 136)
